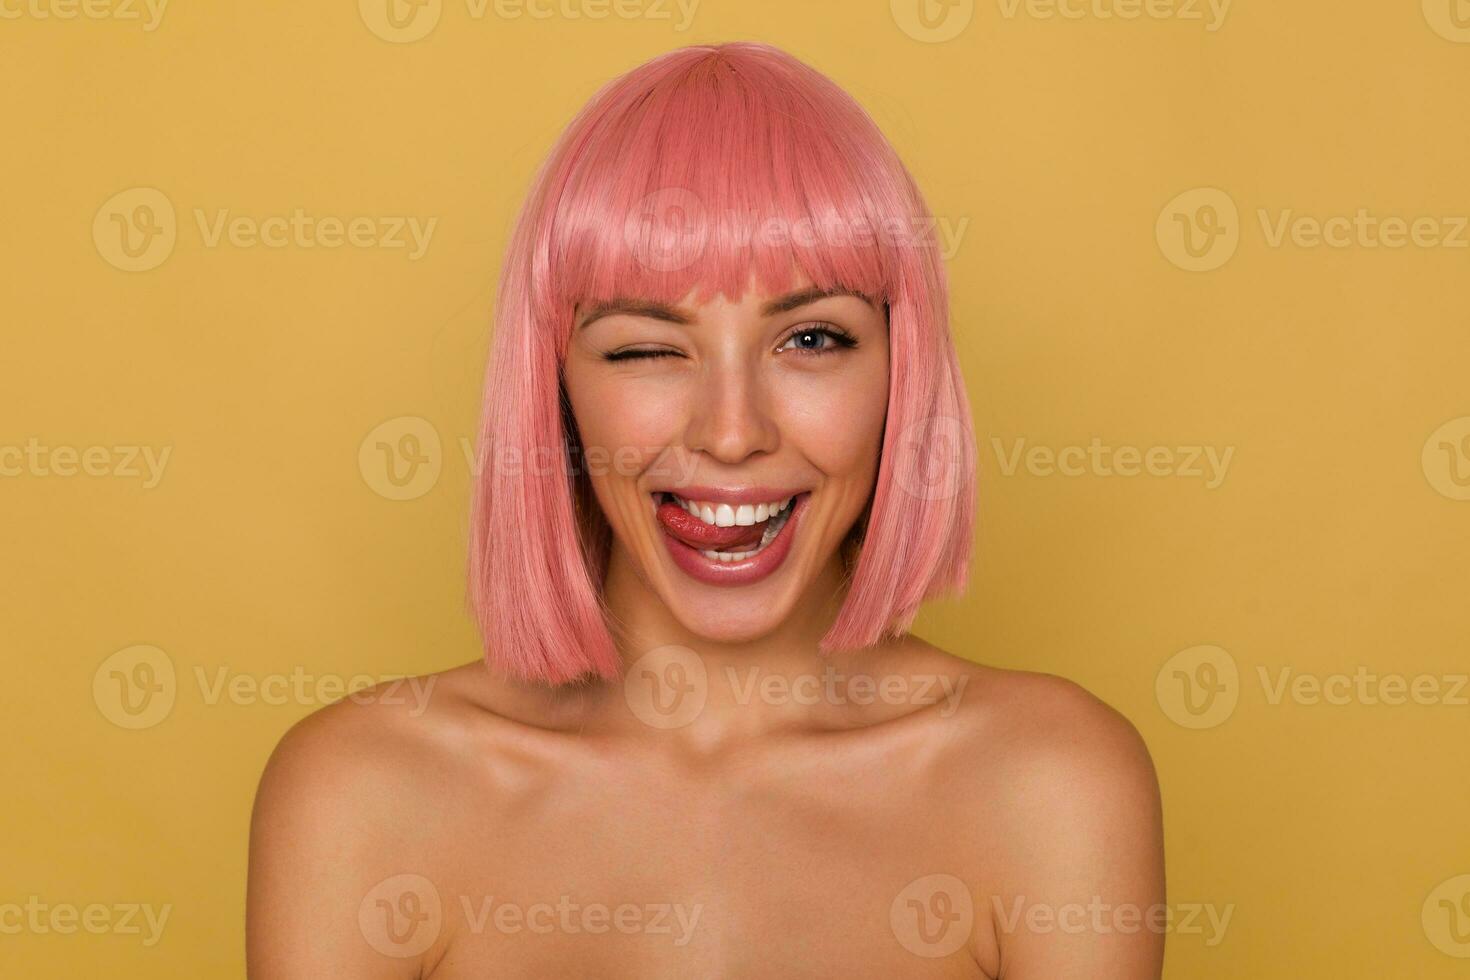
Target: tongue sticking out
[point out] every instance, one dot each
(706, 537)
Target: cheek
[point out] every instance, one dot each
(624, 422)
(837, 419)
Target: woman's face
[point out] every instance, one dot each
(696, 418)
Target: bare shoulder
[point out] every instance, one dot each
(356, 795)
(1033, 727)
(1070, 768)
(1061, 811)
(371, 745)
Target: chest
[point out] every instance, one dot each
(646, 877)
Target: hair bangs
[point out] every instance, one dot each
(717, 174)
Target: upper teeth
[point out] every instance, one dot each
(726, 515)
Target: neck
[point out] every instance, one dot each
(724, 677)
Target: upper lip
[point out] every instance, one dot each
(731, 495)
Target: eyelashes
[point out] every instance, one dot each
(638, 354)
(841, 340)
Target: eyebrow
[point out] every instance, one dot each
(674, 314)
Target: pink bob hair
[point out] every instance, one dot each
(697, 170)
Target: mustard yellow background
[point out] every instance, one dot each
(1074, 152)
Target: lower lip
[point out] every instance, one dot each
(712, 571)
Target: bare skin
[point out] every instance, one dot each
(768, 811)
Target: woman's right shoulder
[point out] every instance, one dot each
(353, 799)
(378, 743)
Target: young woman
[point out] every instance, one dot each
(726, 453)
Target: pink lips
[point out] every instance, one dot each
(715, 572)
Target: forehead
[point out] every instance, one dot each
(757, 299)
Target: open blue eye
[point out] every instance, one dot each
(840, 339)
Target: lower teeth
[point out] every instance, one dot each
(773, 528)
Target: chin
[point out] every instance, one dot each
(735, 625)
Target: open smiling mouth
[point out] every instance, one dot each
(729, 543)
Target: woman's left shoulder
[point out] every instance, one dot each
(1053, 791)
(1039, 726)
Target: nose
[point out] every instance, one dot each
(730, 418)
